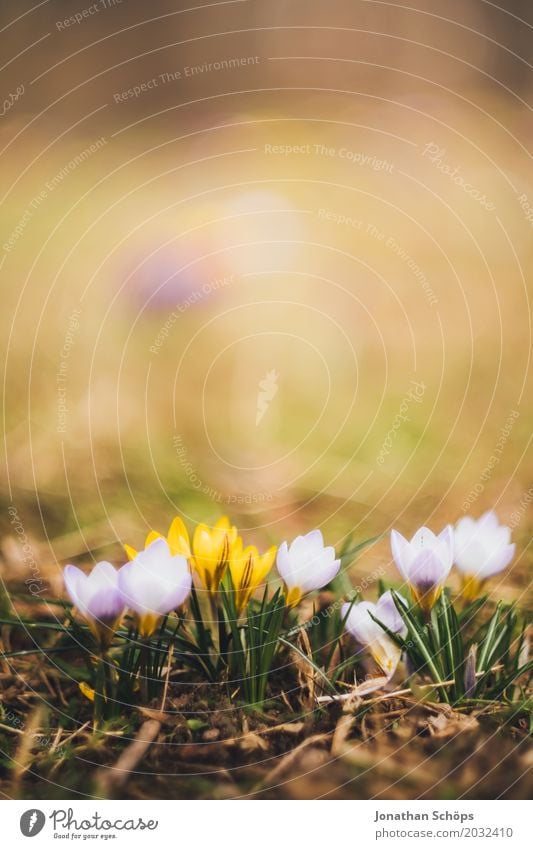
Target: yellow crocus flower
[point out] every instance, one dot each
(212, 549)
(248, 569)
(177, 538)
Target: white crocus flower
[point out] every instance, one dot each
(482, 549)
(305, 565)
(424, 562)
(154, 583)
(369, 634)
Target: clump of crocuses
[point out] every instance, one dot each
(141, 601)
(430, 633)
(208, 602)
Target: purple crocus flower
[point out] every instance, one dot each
(424, 562)
(97, 598)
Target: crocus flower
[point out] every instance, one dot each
(482, 549)
(248, 569)
(424, 562)
(212, 548)
(177, 538)
(97, 598)
(369, 634)
(306, 565)
(154, 583)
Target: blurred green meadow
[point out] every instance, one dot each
(215, 202)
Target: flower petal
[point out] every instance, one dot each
(74, 580)
(284, 564)
(178, 538)
(387, 612)
(360, 624)
(497, 561)
(400, 552)
(427, 571)
(155, 582)
(446, 546)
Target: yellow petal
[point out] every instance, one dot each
(237, 563)
(87, 691)
(178, 538)
(153, 535)
(131, 552)
(211, 550)
(232, 536)
(265, 565)
(223, 523)
(260, 568)
(202, 544)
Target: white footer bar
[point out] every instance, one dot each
(228, 824)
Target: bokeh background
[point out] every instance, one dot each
(264, 258)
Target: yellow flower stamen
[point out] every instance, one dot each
(386, 654)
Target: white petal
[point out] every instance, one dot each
(489, 519)
(424, 538)
(470, 555)
(284, 564)
(497, 562)
(155, 582)
(297, 543)
(104, 600)
(446, 546)
(360, 624)
(104, 575)
(315, 538)
(427, 570)
(306, 564)
(400, 552)
(387, 612)
(465, 526)
(75, 581)
(157, 552)
(500, 536)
